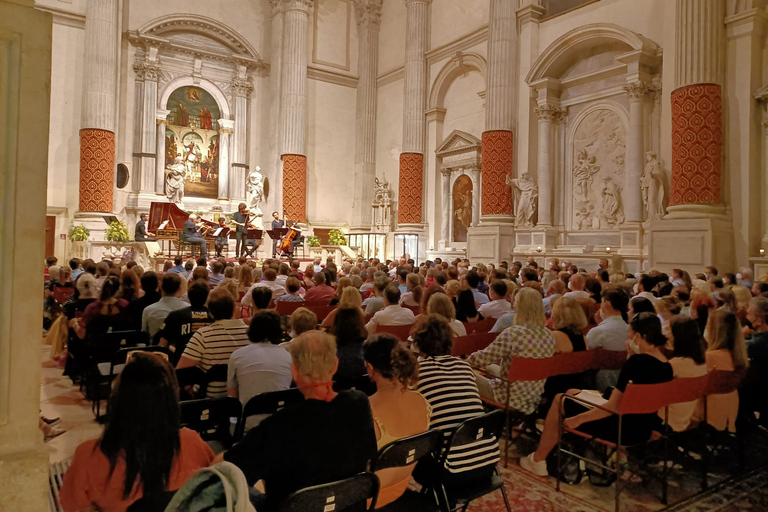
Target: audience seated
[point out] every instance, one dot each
(687, 361)
(375, 302)
(473, 281)
(611, 333)
(142, 451)
(320, 291)
(350, 298)
(414, 291)
(180, 325)
(150, 295)
(393, 313)
(465, 303)
(440, 304)
(302, 320)
(327, 437)
(107, 314)
(350, 333)
(292, 287)
(153, 318)
(498, 305)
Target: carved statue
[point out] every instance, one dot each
(583, 173)
(652, 184)
(382, 203)
(255, 189)
(526, 193)
(174, 181)
(612, 212)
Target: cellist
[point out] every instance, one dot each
(276, 223)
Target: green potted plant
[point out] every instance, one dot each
(313, 241)
(337, 237)
(79, 233)
(117, 232)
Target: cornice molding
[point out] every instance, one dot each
(63, 16)
(332, 77)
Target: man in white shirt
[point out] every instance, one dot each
(367, 277)
(644, 287)
(612, 331)
(282, 276)
(317, 267)
(555, 289)
(393, 313)
(576, 284)
(498, 306)
(270, 282)
(153, 317)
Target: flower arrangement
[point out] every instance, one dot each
(117, 232)
(313, 241)
(337, 237)
(79, 233)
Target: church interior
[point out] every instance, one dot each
(356, 133)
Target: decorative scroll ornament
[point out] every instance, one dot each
(242, 87)
(147, 69)
(638, 90)
(548, 112)
(368, 12)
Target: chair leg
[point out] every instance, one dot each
(506, 499)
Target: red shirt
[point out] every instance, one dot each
(321, 292)
(86, 481)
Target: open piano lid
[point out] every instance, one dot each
(176, 217)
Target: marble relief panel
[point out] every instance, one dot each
(597, 172)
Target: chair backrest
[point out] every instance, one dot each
(285, 307)
(210, 417)
(408, 450)
(465, 345)
(416, 309)
(316, 303)
(360, 382)
(401, 331)
(529, 369)
(106, 345)
(608, 359)
(650, 398)
(480, 327)
(721, 382)
(61, 294)
(321, 311)
(268, 403)
(121, 356)
(474, 429)
(335, 496)
(217, 373)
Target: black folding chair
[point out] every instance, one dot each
(361, 383)
(216, 373)
(405, 452)
(210, 417)
(152, 503)
(350, 495)
(487, 426)
(268, 403)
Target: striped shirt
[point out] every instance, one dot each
(449, 385)
(214, 345)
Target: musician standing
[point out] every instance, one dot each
(240, 218)
(192, 237)
(141, 229)
(276, 223)
(222, 240)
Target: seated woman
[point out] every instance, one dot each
(85, 294)
(727, 351)
(292, 286)
(687, 361)
(142, 451)
(350, 298)
(109, 312)
(440, 304)
(397, 411)
(412, 297)
(646, 365)
(466, 307)
(349, 329)
(449, 385)
(526, 338)
(568, 320)
(343, 283)
(306, 280)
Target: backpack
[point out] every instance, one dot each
(219, 488)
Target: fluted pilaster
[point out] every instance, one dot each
(699, 42)
(368, 15)
(145, 129)
(635, 158)
(275, 97)
(241, 92)
(548, 114)
(415, 99)
(294, 76)
(501, 58)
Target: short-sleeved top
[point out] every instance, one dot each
(214, 345)
(517, 341)
(181, 324)
(88, 480)
(310, 443)
(449, 385)
(609, 335)
(643, 369)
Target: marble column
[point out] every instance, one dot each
(445, 224)
(697, 113)
(160, 127)
(144, 138)
(97, 135)
(275, 169)
(293, 107)
(635, 155)
(497, 148)
(411, 182)
(546, 114)
(225, 134)
(368, 15)
(477, 176)
(241, 92)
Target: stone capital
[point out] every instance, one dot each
(147, 69)
(548, 112)
(242, 87)
(411, 2)
(446, 172)
(368, 13)
(638, 90)
(304, 6)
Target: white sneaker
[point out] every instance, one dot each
(537, 468)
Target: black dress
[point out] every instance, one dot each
(562, 383)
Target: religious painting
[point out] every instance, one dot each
(462, 207)
(192, 141)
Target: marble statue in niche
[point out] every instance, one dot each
(652, 185)
(599, 145)
(382, 203)
(174, 181)
(526, 192)
(254, 185)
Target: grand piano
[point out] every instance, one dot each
(172, 219)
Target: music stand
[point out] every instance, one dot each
(109, 219)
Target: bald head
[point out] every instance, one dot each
(577, 282)
(313, 354)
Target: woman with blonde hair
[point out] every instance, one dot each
(245, 281)
(726, 351)
(667, 308)
(413, 296)
(568, 320)
(743, 296)
(528, 337)
(342, 283)
(452, 288)
(350, 298)
(440, 304)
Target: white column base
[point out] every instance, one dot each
(691, 244)
(695, 211)
(490, 242)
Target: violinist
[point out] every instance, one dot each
(191, 236)
(241, 233)
(221, 241)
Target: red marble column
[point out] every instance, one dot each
(496, 165)
(97, 169)
(409, 206)
(295, 187)
(697, 141)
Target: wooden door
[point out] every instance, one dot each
(50, 235)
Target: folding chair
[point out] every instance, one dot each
(416, 309)
(400, 331)
(216, 373)
(62, 293)
(210, 417)
(335, 496)
(488, 426)
(267, 403)
(188, 378)
(608, 359)
(287, 308)
(406, 452)
(480, 327)
(722, 383)
(465, 345)
(361, 383)
(320, 311)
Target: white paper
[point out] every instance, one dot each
(163, 224)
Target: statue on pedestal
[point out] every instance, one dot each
(174, 181)
(652, 185)
(382, 203)
(612, 212)
(526, 194)
(255, 189)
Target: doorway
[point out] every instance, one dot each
(50, 235)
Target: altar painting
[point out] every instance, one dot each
(462, 207)
(192, 141)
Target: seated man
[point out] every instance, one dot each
(498, 306)
(327, 437)
(141, 234)
(222, 241)
(320, 291)
(153, 317)
(214, 344)
(393, 313)
(181, 324)
(192, 237)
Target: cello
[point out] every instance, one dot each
(288, 238)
